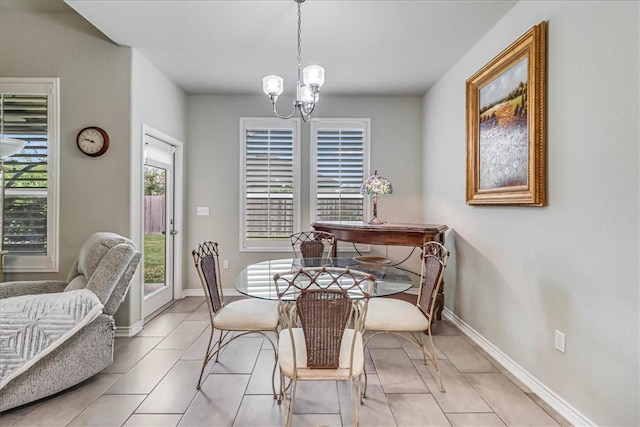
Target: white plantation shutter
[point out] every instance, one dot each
(28, 111)
(340, 163)
(270, 183)
(25, 206)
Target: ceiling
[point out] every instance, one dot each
(367, 47)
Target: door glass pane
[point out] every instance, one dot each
(154, 229)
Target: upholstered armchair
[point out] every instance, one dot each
(95, 286)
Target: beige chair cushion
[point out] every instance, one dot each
(248, 314)
(389, 314)
(285, 356)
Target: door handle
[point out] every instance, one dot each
(173, 232)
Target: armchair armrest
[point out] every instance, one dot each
(14, 289)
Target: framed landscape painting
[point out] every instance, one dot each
(506, 125)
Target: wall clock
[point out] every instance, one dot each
(93, 141)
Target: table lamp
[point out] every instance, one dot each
(376, 185)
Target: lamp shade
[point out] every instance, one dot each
(313, 75)
(376, 184)
(273, 85)
(10, 146)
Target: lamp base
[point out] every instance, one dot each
(375, 221)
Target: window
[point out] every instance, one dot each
(270, 183)
(29, 111)
(339, 165)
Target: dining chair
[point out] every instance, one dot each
(322, 312)
(411, 321)
(312, 244)
(239, 318)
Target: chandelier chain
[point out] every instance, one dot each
(299, 35)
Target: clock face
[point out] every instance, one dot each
(93, 141)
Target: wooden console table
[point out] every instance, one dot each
(387, 234)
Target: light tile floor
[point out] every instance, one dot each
(152, 382)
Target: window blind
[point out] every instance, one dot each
(339, 173)
(25, 117)
(269, 202)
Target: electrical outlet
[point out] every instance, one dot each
(560, 341)
(202, 211)
(225, 264)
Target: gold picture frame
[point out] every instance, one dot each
(506, 125)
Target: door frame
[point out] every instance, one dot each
(178, 209)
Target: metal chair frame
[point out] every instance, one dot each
(434, 261)
(324, 302)
(305, 244)
(207, 251)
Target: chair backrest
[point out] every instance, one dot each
(206, 259)
(105, 265)
(329, 299)
(434, 261)
(312, 244)
(323, 315)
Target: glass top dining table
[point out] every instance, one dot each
(256, 280)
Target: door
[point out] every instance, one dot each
(159, 224)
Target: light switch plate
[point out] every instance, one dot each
(202, 211)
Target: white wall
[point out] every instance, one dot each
(521, 272)
(94, 90)
(156, 102)
(213, 159)
(100, 84)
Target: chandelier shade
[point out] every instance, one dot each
(313, 75)
(308, 83)
(273, 85)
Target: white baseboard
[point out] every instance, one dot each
(191, 292)
(129, 331)
(552, 399)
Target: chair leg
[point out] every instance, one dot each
(355, 407)
(364, 367)
(364, 392)
(207, 358)
(435, 358)
(415, 340)
(292, 400)
(420, 342)
(275, 361)
(273, 378)
(220, 343)
(282, 396)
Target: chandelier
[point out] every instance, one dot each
(307, 90)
